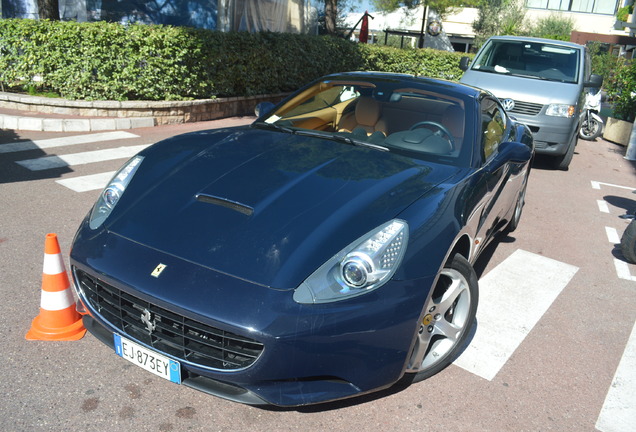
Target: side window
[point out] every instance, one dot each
(493, 125)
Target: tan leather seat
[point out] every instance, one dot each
(367, 115)
(453, 120)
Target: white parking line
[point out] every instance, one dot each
(623, 271)
(512, 299)
(612, 235)
(88, 182)
(602, 206)
(65, 141)
(597, 185)
(49, 162)
(619, 410)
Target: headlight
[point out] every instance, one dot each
(113, 191)
(560, 110)
(364, 265)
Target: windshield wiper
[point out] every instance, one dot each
(273, 126)
(340, 138)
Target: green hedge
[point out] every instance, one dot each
(112, 61)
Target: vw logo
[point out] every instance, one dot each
(146, 318)
(508, 104)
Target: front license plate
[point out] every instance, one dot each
(149, 360)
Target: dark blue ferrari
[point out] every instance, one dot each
(322, 252)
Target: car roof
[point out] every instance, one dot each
(540, 40)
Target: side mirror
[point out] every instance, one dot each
(464, 63)
(595, 81)
(511, 151)
(263, 108)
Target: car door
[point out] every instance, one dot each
(493, 175)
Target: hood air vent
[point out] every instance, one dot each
(223, 202)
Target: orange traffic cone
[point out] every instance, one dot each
(58, 319)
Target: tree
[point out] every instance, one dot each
(49, 9)
(331, 16)
(498, 17)
(553, 27)
(440, 6)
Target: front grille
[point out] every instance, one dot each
(173, 334)
(527, 108)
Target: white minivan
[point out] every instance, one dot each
(541, 82)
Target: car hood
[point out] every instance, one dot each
(267, 207)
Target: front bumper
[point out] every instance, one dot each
(310, 353)
(552, 135)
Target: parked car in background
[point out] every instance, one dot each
(323, 252)
(541, 82)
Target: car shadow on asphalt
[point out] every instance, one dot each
(18, 154)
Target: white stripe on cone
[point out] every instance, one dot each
(55, 301)
(53, 264)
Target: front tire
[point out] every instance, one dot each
(563, 162)
(516, 216)
(590, 129)
(449, 315)
(628, 242)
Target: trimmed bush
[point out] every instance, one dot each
(152, 62)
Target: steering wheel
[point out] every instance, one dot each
(441, 131)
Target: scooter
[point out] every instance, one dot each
(591, 123)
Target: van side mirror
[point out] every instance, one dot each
(464, 63)
(595, 81)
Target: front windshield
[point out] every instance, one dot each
(529, 59)
(423, 121)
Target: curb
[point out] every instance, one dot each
(43, 124)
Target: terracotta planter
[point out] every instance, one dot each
(617, 131)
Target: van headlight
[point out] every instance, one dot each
(363, 266)
(560, 110)
(112, 193)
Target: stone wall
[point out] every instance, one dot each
(163, 112)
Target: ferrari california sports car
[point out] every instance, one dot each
(322, 252)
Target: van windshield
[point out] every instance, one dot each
(529, 59)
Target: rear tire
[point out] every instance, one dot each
(449, 315)
(628, 242)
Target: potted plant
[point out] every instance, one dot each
(621, 90)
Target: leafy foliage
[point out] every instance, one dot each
(120, 62)
(421, 62)
(498, 17)
(553, 27)
(621, 90)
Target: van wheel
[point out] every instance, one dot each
(563, 162)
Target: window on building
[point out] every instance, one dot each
(588, 6)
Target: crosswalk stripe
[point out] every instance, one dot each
(512, 299)
(49, 162)
(65, 141)
(619, 410)
(88, 182)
